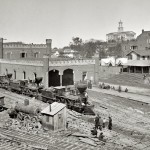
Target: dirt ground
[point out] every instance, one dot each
(131, 122)
(131, 119)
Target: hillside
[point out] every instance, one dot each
(130, 79)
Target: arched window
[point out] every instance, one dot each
(14, 74)
(24, 75)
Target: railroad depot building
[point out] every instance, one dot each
(54, 72)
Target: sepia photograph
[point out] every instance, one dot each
(74, 75)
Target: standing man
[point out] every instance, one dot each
(104, 122)
(110, 123)
(97, 121)
(100, 123)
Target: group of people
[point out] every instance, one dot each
(100, 124)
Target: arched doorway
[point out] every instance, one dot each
(67, 78)
(54, 78)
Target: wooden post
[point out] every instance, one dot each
(60, 73)
(60, 80)
(142, 70)
(134, 69)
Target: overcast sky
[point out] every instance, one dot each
(33, 21)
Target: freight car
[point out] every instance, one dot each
(73, 97)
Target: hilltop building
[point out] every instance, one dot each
(121, 35)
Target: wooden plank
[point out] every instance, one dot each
(81, 135)
(88, 141)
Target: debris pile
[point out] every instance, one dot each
(26, 123)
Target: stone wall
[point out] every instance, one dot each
(108, 71)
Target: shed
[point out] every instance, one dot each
(54, 116)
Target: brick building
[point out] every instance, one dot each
(140, 45)
(20, 50)
(138, 53)
(27, 61)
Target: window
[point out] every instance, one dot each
(143, 57)
(24, 75)
(14, 74)
(36, 55)
(23, 55)
(138, 57)
(130, 57)
(148, 57)
(133, 47)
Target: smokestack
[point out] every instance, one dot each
(50, 109)
(1, 48)
(49, 45)
(142, 30)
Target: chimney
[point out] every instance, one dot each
(50, 109)
(49, 45)
(142, 30)
(1, 48)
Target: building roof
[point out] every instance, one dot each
(140, 52)
(141, 63)
(55, 108)
(125, 32)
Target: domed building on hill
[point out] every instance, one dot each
(121, 35)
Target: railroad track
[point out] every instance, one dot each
(55, 143)
(27, 138)
(51, 143)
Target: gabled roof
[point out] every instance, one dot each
(141, 63)
(140, 52)
(55, 108)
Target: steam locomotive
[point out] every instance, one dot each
(73, 96)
